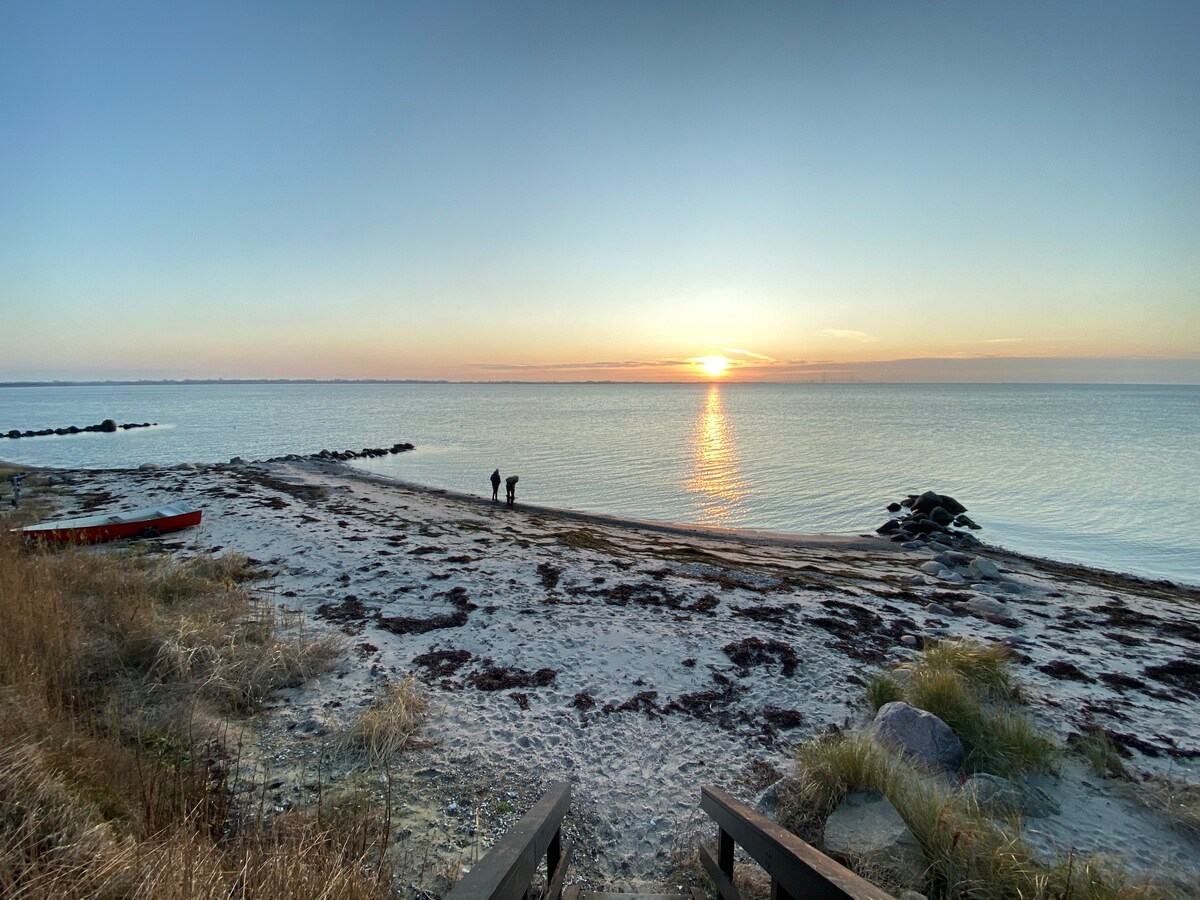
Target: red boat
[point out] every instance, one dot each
(114, 526)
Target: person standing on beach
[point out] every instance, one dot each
(495, 485)
(510, 489)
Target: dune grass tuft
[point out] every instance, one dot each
(969, 687)
(1100, 753)
(389, 723)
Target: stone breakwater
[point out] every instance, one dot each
(108, 426)
(334, 455)
(931, 517)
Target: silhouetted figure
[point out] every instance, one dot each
(16, 486)
(496, 486)
(510, 489)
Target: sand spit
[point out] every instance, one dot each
(642, 660)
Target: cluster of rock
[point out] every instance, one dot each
(867, 826)
(108, 425)
(365, 453)
(333, 455)
(931, 516)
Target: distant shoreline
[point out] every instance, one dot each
(184, 382)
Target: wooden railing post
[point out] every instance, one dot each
(506, 871)
(797, 870)
(553, 853)
(725, 849)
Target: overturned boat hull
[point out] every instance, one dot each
(115, 526)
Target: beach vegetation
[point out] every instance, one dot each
(122, 674)
(1102, 756)
(387, 726)
(1177, 801)
(883, 688)
(968, 853)
(969, 686)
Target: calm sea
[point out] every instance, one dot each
(1104, 475)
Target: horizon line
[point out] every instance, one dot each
(119, 382)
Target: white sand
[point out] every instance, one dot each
(636, 774)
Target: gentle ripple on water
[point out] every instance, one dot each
(1098, 474)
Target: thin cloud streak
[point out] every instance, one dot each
(849, 334)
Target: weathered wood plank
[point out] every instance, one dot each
(558, 874)
(722, 882)
(505, 872)
(798, 868)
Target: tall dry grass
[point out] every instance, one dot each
(116, 669)
(386, 726)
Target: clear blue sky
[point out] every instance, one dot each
(600, 190)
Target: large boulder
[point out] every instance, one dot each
(951, 505)
(108, 425)
(867, 829)
(927, 502)
(919, 735)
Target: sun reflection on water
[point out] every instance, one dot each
(717, 486)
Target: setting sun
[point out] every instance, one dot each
(712, 366)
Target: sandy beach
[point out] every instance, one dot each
(643, 660)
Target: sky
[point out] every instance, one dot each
(896, 191)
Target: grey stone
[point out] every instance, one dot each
(912, 545)
(768, 799)
(1009, 587)
(983, 569)
(932, 567)
(938, 609)
(909, 639)
(148, 467)
(867, 828)
(1000, 796)
(917, 734)
(987, 607)
(951, 577)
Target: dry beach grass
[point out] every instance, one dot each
(118, 672)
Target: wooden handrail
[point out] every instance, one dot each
(506, 870)
(798, 870)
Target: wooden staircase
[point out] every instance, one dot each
(797, 870)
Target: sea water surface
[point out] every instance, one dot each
(1099, 474)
